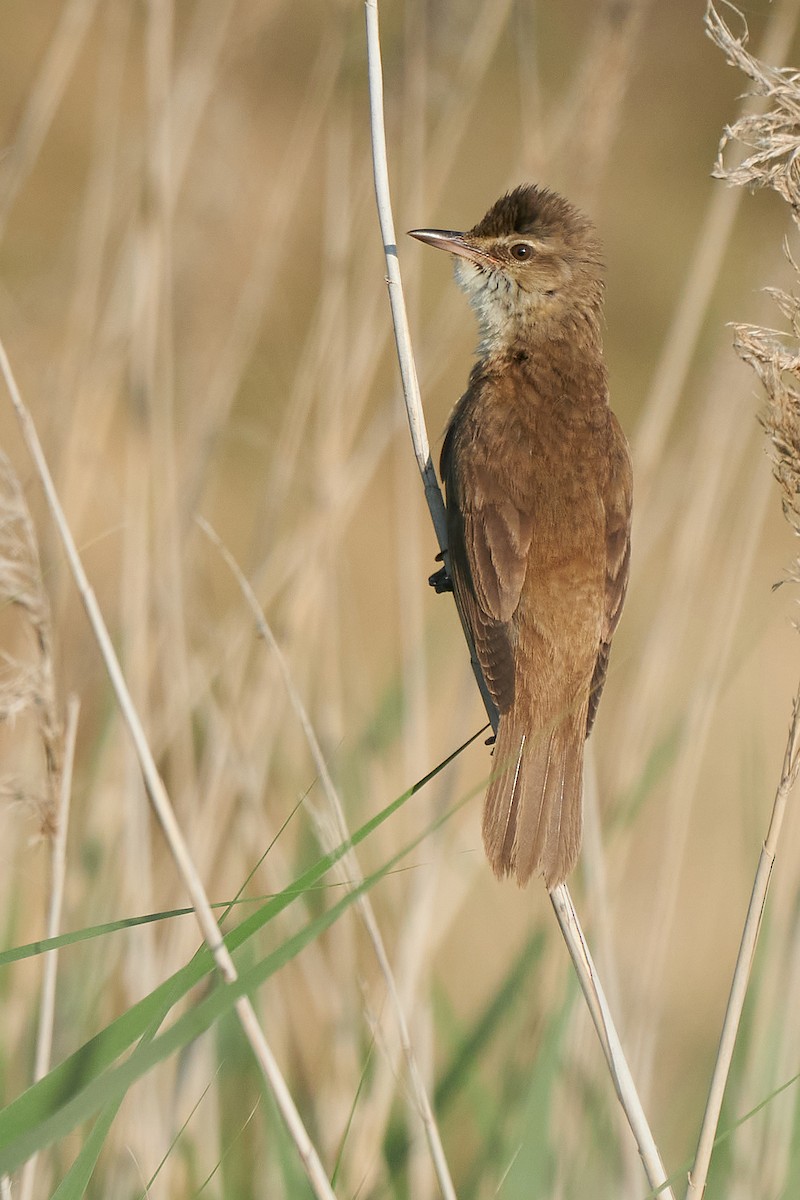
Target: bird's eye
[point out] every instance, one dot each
(521, 251)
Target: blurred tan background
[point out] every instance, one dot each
(192, 297)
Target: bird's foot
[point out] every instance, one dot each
(440, 581)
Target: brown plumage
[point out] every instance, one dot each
(538, 481)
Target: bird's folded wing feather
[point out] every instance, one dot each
(489, 545)
(618, 500)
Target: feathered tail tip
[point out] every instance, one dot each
(533, 812)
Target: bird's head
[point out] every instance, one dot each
(532, 265)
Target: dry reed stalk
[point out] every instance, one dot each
(159, 798)
(762, 1150)
(153, 365)
(744, 961)
(138, 854)
(560, 897)
(771, 142)
(599, 903)
(47, 1004)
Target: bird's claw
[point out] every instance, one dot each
(440, 581)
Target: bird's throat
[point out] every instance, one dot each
(510, 318)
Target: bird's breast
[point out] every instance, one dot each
(549, 457)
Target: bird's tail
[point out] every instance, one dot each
(532, 815)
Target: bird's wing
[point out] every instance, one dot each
(618, 500)
(489, 543)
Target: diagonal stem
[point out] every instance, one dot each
(744, 962)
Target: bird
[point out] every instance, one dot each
(538, 485)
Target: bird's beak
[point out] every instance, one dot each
(455, 243)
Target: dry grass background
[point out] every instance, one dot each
(192, 295)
